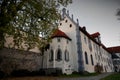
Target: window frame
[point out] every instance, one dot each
(59, 54)
(86, 58)
(92, 61)
(66, 55)
(51, 55)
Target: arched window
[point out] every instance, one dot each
(51, 55)
(59, 55)
(66, 55)
(86, 58)
(92, 60)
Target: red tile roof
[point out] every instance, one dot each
(59, 33)
(115, 49)
(94, 35)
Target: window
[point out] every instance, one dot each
(66, 21)
(60, 24)
(85, 39)
(86, 58)
(70, 25)
(67, 42)
(58, 39)
(59, 55)
(51, 56)
(95, 55)
(92, 59)
(90, 45)
(66, 55)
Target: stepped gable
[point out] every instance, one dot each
(94, 35)
(115, 49)
(59, 33)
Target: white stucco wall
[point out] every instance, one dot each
(71, 32)
(100, 56)
(66, 66)
(85, 48)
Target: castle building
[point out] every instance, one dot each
(74, 49)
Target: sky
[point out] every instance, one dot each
(98, 16)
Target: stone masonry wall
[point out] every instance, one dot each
(12, 59)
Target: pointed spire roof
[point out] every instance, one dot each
(59, 33)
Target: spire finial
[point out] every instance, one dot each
(77, 21)
(72, 16)
(63, 12)
(67, 12)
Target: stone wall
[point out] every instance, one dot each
(12, 59)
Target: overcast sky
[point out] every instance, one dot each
(98, 16)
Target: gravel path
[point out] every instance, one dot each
(87, 78)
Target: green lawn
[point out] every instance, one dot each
(115, 76)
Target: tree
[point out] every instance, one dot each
(118, 14)
(26, 20)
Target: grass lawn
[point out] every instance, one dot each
(115, 76)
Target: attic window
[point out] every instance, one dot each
(66, 21)
(60, 24)
(58, 39)
(70, 25)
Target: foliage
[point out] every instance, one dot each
(115, 76)
(2, 74)
(26, 20)
(118, 14)
(20, 73)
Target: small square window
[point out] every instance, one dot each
(70, 25)
(66, 21)
(60, 24)
(67, 42)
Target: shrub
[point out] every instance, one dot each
(75, 72)
(21, 72)
(53, 71)
(98, 68)
(2, 74)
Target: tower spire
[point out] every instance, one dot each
(63, 12)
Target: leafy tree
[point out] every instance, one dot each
(26, 20)
(118, 13)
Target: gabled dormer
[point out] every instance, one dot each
(96, 36)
